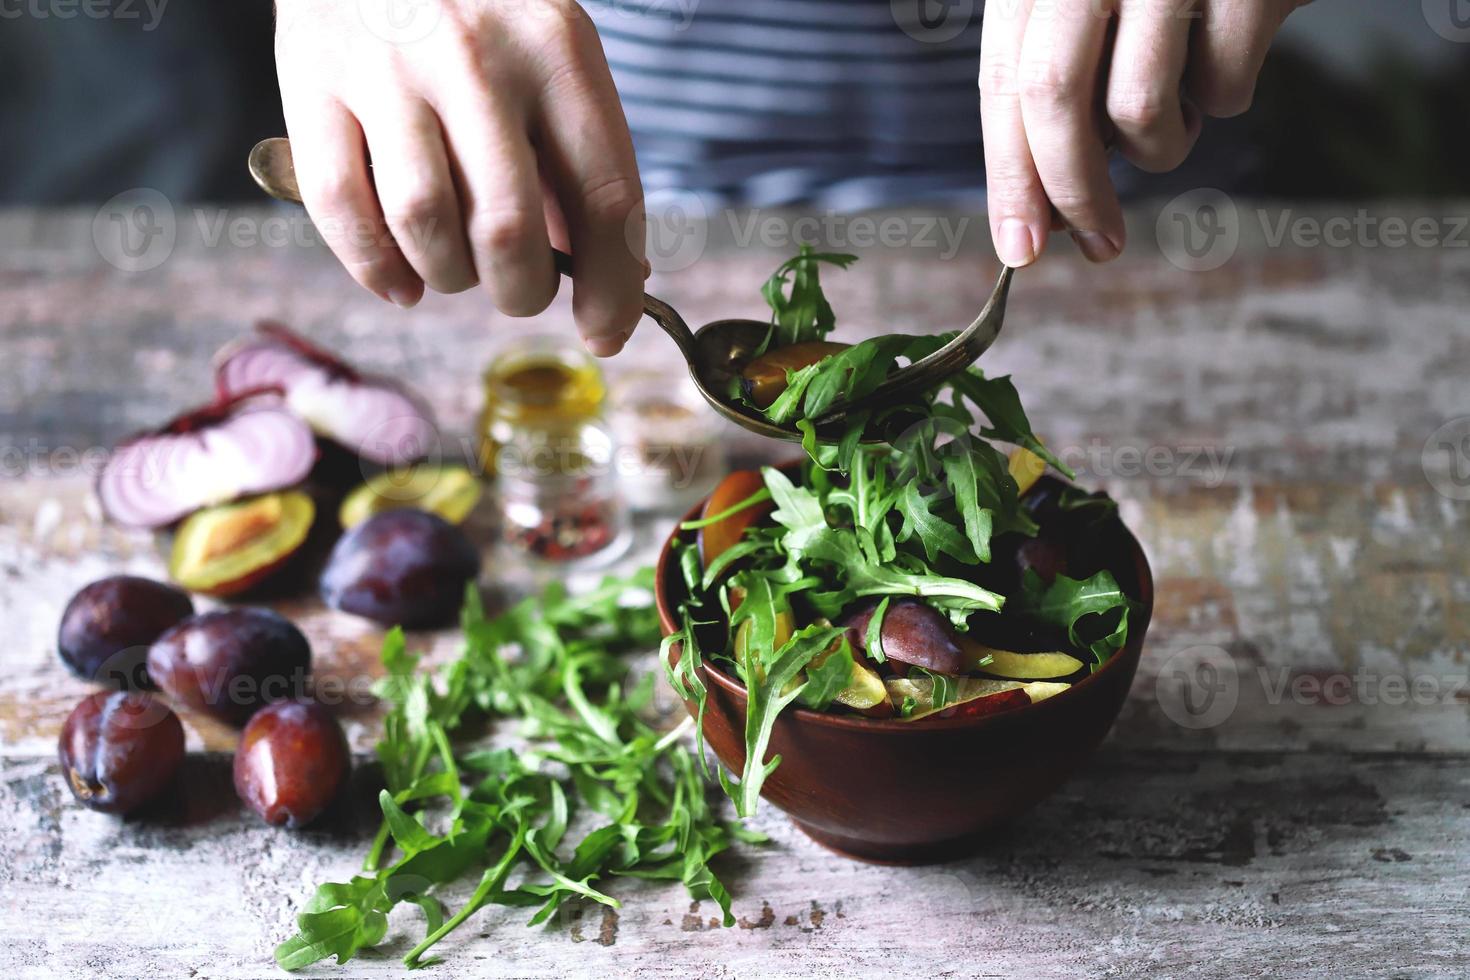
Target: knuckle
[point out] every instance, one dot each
(414, 206)
(503, 233)
(1140, 109)
(331, 190)
(998, 78)
(611, 197)
(1048, 89)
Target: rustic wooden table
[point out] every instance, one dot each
(1286, 792)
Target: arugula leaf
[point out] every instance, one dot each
(874, 640)
(801, 313)
(827, 675)
(766, 697)
(1070, 604)
(997, 398)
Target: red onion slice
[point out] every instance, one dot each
(201, 460)
(377, 418)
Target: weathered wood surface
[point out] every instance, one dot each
(1264, 426)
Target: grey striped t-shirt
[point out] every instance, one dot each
(846, 104)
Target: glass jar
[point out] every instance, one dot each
(537, 382)
(559, 496)
(543, 441)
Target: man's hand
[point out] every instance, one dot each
(493, 136)
(1061, 79)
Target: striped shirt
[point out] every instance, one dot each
(844, 104)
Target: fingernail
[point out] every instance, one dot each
(647, 269)
(1096, 246)
(1014, 243)
(405, 298)
(605, 346)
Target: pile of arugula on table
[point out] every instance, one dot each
(864, 520)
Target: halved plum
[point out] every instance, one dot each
(766, 377)
(223, 551)
(449, 491)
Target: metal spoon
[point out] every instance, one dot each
(718, 351)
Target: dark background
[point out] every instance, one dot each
(1361, 98)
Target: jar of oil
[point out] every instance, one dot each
(536, 384)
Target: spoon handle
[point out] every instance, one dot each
(274, 170)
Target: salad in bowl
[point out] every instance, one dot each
(871, 612)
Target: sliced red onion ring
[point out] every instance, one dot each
(208, 457)
(375, 417)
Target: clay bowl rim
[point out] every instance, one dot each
(1132, 650)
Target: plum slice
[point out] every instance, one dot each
(912, 633)
(238, 446)
(377, 418)
(764, 378)
(717, 538)
(449, 491)
(226, 550)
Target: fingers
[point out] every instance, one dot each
(416, 192)
(1227, 49)
(495, 169)
(331, 168)
(1145, 103)
(1020, 214)
(1061, 55)
(589, 161)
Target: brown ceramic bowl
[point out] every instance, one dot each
(901, 792)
